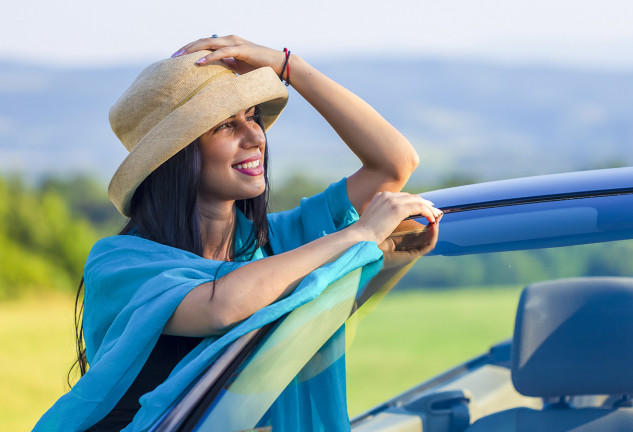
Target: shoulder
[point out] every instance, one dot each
(316, 216)
(332, 204)
(124, 252)
(134, 247)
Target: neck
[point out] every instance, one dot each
(217, 228)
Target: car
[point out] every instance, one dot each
(573, 366)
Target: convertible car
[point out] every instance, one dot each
(567, 367)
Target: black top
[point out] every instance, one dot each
(169, 350)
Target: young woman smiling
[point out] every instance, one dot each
(199, 255)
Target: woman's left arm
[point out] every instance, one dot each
(387, 156)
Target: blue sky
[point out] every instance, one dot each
(72, 32)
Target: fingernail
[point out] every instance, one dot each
(202, 60)
(177, 53)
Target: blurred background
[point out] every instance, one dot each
(484, 90)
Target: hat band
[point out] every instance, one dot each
(200, 87)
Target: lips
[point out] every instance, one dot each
(252, 166)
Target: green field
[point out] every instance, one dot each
(36, 335)
(409, 337)
(413, 335)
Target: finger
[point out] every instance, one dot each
(425, 207)
(222, 53)
(403, 196)
(231, 63)
(427, 202)
(403, 205)
(187, 48)
(209, 43)
(416, 198)
(437, 213)
(238, 66)
(414, 208)
(428, 214)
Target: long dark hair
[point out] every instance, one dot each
(164, 209)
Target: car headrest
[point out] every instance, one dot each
(574, 337)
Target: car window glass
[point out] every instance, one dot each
(448, 309)
(296, 340)
(476, 279)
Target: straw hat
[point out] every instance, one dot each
(174, 101)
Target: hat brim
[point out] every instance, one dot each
(186, 123)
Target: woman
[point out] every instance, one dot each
(202, 258)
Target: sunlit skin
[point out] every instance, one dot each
(387, 158)
(236, 140)
(225, 177)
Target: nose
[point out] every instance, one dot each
(252, 134)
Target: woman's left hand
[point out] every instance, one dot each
(240, 55)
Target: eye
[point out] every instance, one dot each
(221, 127)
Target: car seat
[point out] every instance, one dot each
(572, 337)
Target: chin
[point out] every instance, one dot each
(253, 193)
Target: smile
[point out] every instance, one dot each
(252, 164)
(252, 167)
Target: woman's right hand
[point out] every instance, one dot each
(387, 210)
(239, 54)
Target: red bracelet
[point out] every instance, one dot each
(286, 65)
(288, 71)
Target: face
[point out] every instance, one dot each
(233, 159)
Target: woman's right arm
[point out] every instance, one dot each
(213, 308)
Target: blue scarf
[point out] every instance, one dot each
(133, 286)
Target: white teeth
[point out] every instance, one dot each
(248, 165)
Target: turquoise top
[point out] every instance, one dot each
(133, 286)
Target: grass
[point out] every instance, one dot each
(410, 336)
(36, 336)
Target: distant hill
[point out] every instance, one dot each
(466, 119)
